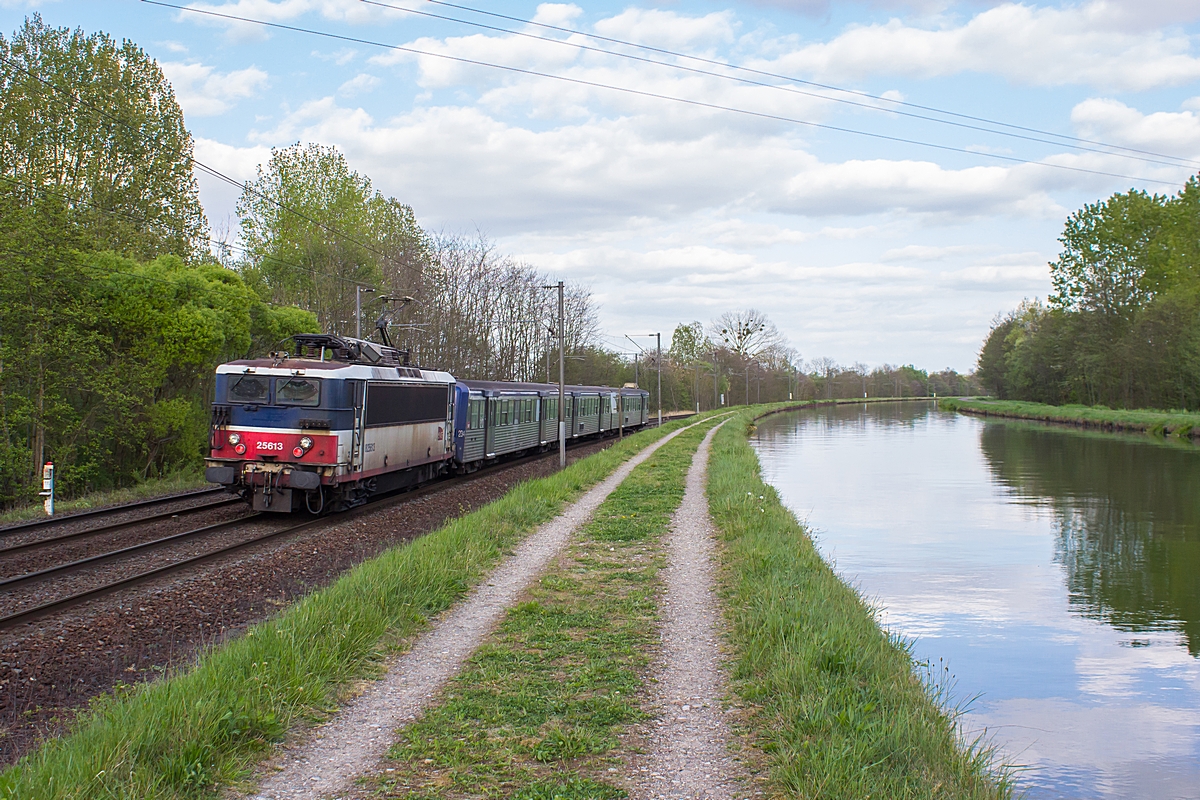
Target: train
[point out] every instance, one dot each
(344, 419)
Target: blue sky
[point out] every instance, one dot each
(858, 248)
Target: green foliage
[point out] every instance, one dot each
(689, 344)
(108, 362)
(85, 118)
(1123, 327)
(315, 230)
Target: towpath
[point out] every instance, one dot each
(359, 735)
(689, 747)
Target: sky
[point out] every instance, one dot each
(678, 189)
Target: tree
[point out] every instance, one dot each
(1112, 261)
(748, 333)
(315, 230)
(689, 344)
(95, 125)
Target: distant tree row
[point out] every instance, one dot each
(741, 357)
(1122, 327)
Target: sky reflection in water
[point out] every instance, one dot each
(1056, 572)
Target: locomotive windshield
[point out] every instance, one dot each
(248, 389)
(298, 392)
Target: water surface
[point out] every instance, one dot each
(1056, 572)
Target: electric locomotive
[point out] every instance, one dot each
(347, 418)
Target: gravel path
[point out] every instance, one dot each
(689, 755)
(361, 733)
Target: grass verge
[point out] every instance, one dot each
(837, 705)
(200, 729)
(539, 710)
(1162, 423)
(155, 487)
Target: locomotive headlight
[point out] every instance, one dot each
(306, 442)
(234, 438)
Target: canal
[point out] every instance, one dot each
(1056, 573)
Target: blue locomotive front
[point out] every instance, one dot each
(324, 430)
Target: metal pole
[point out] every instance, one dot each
(358, 292)
(697, 394)
(658, 337)
(562, 392)
(621, 412)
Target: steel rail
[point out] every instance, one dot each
(55, 521)
(117, 526)
(31, 614)
(83, 563)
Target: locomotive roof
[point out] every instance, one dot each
(545, 388)
(333, 369)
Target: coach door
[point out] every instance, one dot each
(360, 420)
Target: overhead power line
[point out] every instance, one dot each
(198, 165)
(1072, 142)
(656, 95)
(793, 79)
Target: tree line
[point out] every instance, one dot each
(1122, 327)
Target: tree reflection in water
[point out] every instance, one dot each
(1128, 520)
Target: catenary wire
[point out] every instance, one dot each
(657, 95)
(1171, 161)
(793, 79)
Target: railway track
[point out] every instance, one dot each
(40, 579)
(100, 513)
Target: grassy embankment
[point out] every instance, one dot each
(539, 710)
(1161, 423)
(185, 481)
(202, 728)
(838, 705)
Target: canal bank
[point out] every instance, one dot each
(838, 707)
(1052, 570)
(1161, 423)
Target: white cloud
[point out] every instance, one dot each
(204, 92)
(559, 14)
(359, 84)
(670, 30)
(1097, 43)
(1174, 133)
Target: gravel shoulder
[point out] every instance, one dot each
(355, 739)
(689, 754)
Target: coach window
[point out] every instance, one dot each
(248, 389)
(298, 392)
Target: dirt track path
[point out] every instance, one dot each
(358, 736)
(689, 747)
